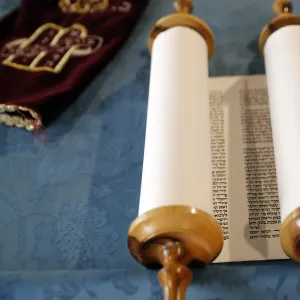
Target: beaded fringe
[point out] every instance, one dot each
(19, 119)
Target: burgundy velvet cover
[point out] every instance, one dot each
(51, 49)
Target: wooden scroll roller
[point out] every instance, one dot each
(183, 18)
(174, 237)
(175, 226)
(283, 10)
(280, 44)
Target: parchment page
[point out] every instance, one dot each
(245, 196)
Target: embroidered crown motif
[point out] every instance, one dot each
(50, 48)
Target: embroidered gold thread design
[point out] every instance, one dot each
(50, 47)
(9, 116)
(83, 6)
(92, 6)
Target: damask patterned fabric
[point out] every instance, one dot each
(66, 205)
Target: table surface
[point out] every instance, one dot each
(66, 205)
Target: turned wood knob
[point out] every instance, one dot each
(183, 6)
(282, 6)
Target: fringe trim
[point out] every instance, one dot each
(19, 119)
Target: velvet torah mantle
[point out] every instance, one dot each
(51, 49)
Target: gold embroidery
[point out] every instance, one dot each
(92, 6)
(83, 6)
(49, 48)
(13, 115)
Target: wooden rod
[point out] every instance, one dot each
(282, 7)
(175, 275)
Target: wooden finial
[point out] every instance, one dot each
(185, 20)
(284, 17)
(282, 7)
(183, 6)
(174, 236)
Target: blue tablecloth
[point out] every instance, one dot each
(66, 205)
